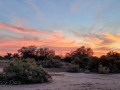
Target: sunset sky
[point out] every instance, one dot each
(62, 25)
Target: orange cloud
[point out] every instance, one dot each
(14, 45)
(34, 37)
(101, 43)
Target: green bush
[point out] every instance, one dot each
(103, 69)
(24, 71)
(73, 68)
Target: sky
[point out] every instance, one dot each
(62, 25)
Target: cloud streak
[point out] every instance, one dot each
(35, 32)
(12, 45)
(16, 29)
(100, 43)
(34, 37)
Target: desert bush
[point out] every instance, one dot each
(24, 71)
(94, 64)
(87, 71)
(51, 63)
(73, 68)
(103, 69)
(82, 62)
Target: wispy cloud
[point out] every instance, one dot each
(101, 43)
(55, 39)
(12, 45)
(36, 32)
(16, 29)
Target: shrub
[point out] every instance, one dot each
(87, 71)
(73, 68)
(82, 62)
(94, 64)
(25, 71)
(103, 69)
(51, 63)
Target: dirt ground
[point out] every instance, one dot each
(73, 81)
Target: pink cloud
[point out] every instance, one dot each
(16, 29)
(35, 32)
(34, 37)
(100, 43)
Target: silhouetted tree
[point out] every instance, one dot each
(114, 55)
(85, 62)
(8, 56)
(111, 60)
(28, 52)
(83, 57)
(1, 57)
(94, 64)
(16, 55)
(37, 54)
(68, 57)
(59, 57)
(44, 53)
(80, 53)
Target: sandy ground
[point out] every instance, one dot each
(73, 81)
